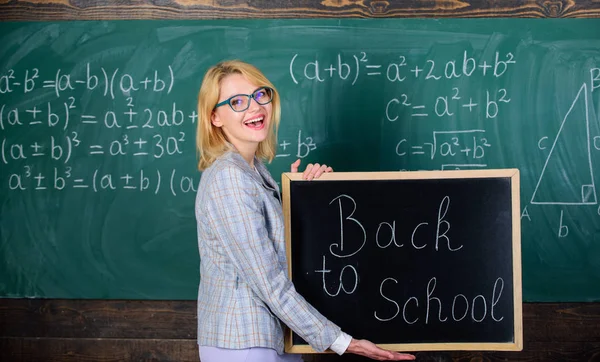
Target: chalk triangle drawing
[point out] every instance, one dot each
(567, 177)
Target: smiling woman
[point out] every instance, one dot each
(220, 87)
(244, 123)
(241, 230)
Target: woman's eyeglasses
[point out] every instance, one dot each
(241, 102)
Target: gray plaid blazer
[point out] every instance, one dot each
(244, 292)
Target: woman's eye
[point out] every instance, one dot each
(236, 101)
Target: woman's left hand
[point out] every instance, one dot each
(312, 171)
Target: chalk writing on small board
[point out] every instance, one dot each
(409, 260)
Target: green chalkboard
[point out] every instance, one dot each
(97, 125)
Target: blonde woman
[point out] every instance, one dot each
(245, 294)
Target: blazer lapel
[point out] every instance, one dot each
(236, 158)
(266, 175)
(263, 176)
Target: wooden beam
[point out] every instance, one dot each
(143, 319)
(116, 330)
(108, 350)
(48, 10)
(72, 318)
(97, 350)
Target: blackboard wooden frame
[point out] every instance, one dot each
(510, 174)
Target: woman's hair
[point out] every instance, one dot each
(210, 140)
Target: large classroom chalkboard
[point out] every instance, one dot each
(419, 260)
(97, 127)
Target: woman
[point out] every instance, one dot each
(244, 293)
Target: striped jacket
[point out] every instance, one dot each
(244, 292)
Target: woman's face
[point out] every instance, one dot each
(245, 129)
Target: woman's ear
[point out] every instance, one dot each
(215, 120)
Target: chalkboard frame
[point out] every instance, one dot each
(510, 174)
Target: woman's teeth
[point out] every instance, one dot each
(254, 122)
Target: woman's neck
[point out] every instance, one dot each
(248, 154)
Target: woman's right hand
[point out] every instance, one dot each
(368, 349)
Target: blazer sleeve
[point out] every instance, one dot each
(236, 217)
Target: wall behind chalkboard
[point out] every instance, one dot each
(97, 127)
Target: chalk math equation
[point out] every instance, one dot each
(400, 68)
(55, 138)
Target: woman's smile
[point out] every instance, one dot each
(255, 123)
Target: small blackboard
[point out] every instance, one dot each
(409, 260)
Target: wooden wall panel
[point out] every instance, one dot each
(118, 350)
(50, 318)
(45, 10)
(97, 350)
(114, 330)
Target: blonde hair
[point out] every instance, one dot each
(210, 140)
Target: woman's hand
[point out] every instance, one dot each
(365, 348)
(312, 171)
